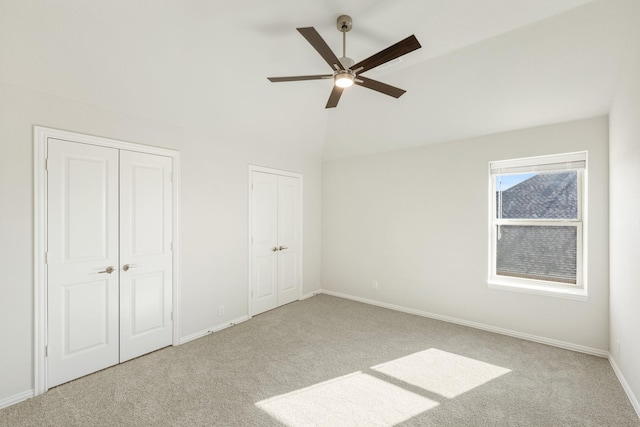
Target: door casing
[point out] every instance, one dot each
(254, 168)
(40, 138)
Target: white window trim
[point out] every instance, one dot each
(569, 161)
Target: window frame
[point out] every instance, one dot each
(541, 164)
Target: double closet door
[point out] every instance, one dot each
(276, 236)
(109, 260)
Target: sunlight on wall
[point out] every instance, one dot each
(440, 372)
(354, 399)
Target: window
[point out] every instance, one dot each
(537, 224)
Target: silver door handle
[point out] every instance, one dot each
(108, 270)
(282, 247)
(274, 249)
(127, 267)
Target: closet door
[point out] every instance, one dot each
(82, 259)
(288, 239)
(264, 247)
(109, 268)
(275, 248)
(145, 253)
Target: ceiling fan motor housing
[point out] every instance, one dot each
(346, 62)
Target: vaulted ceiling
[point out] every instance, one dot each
(485, 66)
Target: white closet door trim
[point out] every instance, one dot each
(40, 137)
(255, 168)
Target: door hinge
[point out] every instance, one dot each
(46, 351)
(46, 257)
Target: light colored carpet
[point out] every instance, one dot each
(328, 361)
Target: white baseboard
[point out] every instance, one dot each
(16, 398)
(502, 331)
(311, 294)
(212, 329)
(625, 385)
(225, 325)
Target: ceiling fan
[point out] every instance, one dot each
(346, 72)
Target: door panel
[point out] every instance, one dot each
(287, 273)
(146, 189)
(145, 246)
(85, 184)
(264, 231)
(265, 208)
(147, 294)
(288, 196)
(266, 277)
(85, 324)
(82, 222)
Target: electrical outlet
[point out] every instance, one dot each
(374, 285)
(220, 310)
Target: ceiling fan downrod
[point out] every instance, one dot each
(344, 24)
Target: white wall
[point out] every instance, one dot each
(213, 208)
(625, 215)
(415, 220)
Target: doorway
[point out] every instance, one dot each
(106, 279)
(275, 238)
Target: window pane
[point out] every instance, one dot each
(537, 196)
(537, 252)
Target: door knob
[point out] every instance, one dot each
(127, 267)
(274, 249)
(108, 270)
(282, 247)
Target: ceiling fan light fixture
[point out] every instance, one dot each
(344, 78)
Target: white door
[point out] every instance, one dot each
(107, 208)
(145, 253)
(288, 239)
(275, 248)
(82, 260)
(264, 249)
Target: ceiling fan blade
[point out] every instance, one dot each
(334, 97)
(321, 46)
(298, 78)
(380, 87)
(403, 47)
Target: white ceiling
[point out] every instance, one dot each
(486, 65)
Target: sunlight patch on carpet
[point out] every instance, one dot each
(440, 372)
(352, 400)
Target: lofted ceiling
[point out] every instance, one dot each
(486, 65)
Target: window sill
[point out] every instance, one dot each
(579, 294)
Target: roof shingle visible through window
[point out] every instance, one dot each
(539, 252)
(548, 195)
